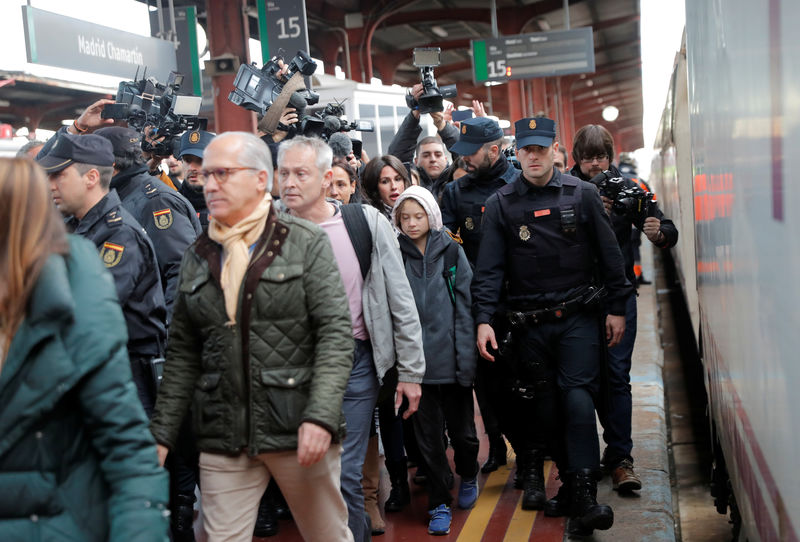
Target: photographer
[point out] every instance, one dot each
(592, 150)
(431, 152)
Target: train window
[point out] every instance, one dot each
(386, 126)
(369, 139)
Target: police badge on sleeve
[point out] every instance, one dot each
(163, 218)
(111, 254)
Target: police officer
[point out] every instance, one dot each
(80, 170)
(547, 239)
(463, 200)
(592, 153)
(191, 156)
(168, 217)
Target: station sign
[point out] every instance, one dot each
(282, 25)
(65, 42)
(527, 56)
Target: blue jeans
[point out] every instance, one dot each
(358, 405)
(615, 416)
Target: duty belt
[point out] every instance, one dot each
(587, 300)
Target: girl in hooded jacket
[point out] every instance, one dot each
(440, 277)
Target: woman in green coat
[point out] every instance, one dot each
(77, 461)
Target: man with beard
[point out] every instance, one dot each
(191, 156)
(463, 202)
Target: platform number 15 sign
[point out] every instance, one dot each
(282, 25)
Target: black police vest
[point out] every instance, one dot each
(471, 198)
(548, 247)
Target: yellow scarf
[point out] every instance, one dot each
(236, 241)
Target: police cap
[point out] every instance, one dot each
(69, 149)
(475, 133)
(124, 140)
(535, 131)
(194, 143)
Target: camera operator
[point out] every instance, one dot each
(431, 152)
(592, 150)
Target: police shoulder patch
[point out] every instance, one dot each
(163, 218)
(111, 254)
(150, 190)
(113, 218)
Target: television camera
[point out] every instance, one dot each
(427, 58)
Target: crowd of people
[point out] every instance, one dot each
(273, 304)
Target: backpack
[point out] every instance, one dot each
(358, 230)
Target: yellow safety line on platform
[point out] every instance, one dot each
(479, 517)
(521, 524)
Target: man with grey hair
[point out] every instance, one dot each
(385, 326)
(80, 171)
(260, 347)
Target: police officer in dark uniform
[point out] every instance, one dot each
(191, 156)
(80, 170)
(547, 252)
(168, 217)
(172, 224)
(463, 201)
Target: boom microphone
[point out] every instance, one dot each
(340, 144)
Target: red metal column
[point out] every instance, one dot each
(539, 96)
(515, 106)
(567, 119)
(227, 34)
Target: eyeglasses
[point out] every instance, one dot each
(590, 159)
(221, 174)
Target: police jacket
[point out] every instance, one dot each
(404, 144)
(285, 361)
(128, 254)
(622, 225)
(198, 201)
(168, 218)
(547, 244)
(463, 203)
(77, 462)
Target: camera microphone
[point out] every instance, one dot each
(340, 144)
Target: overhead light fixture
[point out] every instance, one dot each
(610, 113)
(439, 31)
(589, 83)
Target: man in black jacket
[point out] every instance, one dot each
(80, 170)
(167, 216)
(592, 150)
(463, 202)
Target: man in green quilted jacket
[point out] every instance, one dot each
(260, 346)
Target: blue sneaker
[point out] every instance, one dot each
(440, 520)
(468, 493)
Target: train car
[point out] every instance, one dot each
(729, 126)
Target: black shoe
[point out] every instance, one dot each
(585, 514)
(420, 477)
(559, 505)
(519, 474)
(399, 496)
(266, 520)
(497, 454)
(182, 519)
(641, 280)
(533, 495)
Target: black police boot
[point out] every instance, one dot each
(267, 518)
(400, 494)
(585, 514)
(533, 495)
(519, 474)
(559, 505)
(497, 453)
(182, 519)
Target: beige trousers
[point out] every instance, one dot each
(232, 486)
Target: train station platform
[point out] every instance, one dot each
(646, 515)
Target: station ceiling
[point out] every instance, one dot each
(382, 35)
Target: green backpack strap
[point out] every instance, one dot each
(449, 272)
